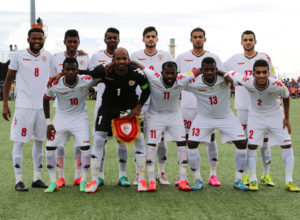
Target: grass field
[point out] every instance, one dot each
(114, 202)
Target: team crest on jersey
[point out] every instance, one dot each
(222, 85)
(44, 58)
(81, 62)
(271, 93)
(131, 82)
(82, 88)
(160, 57)
(177, 87)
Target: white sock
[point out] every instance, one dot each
(17, 157)
(60, 156)
(123, 157)
(140, 157)
(288, 160)
(51, 164)
(240, 161)
(194, 161)
(101, 174)
(97, 153)
(162, 152)
(86, 161)
(252, 157)
(266, 157)
(77, 158)
(150, 162)
(183, 162)
(37, 156)
(212, 153)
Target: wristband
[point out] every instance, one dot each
(48, 121)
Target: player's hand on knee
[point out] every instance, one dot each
(51, 132)
(286, 123)
(6, 113)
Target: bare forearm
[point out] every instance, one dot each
(46, 106)
(286, 106)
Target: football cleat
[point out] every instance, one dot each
(123, 181)
(77, 181)
(178, 181)
(83, 186)
(291, 187)
(136, 181)
(51, 188)
(246, 179)
(61, 182)
(253, 186)
(21, 187)
(266, 179)
(92, 187)
(213, 180)
(183, 186)
(39, 184)
(152, 186)
(198, 185)
(161, 178)
(239, 185)
(142, 186)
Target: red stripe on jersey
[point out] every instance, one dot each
(141, 58)
(241, 135)
(102, 61)
(201, 90)
(60, 64)
(188, 60)
(33, 54)
(27, 59)
(86, 141)
(150, 55)
(196, 55)
(250, 57)
(107, 54)
(240, 63)
(287, 140)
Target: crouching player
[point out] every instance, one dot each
(214, 112)
(265, 114)
(71, 118)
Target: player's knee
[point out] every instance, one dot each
(84, 147)
(242, 144)
(193, 144)
(99, 139)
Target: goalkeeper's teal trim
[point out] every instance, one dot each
(145, 86)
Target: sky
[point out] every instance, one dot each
(275, 24)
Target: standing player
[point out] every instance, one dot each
(265, 114)
(188, 61)
(153, 59)
(71, 118)
(32, 68)
(119, 95)
(243, 63)
(111, 39)
(71, 42)
(214, 112)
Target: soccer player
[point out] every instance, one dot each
(119, 95)
(71, 42)
(32, 68)
(265, 114)
(111, 39)
(214, 112)
(164, 116)
(188, 61)
(243, 63)
(153, 59)
(71, 118)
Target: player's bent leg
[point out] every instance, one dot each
(38, 156)
(240, 161)
(86, 161)
(288, 160)
(194, 161)
(123, 157)
(51, 166)
(17, 158)
(162, 152)
(78, 165)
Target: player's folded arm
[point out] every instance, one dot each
(145, 93)
(97, 72)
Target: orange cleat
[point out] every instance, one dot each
(183, 186)
(60, 182)
(92, 187)
(152, 186)
(142, 186)
(77, 181)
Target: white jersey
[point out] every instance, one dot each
(71, 100)
(212, 101)
(162, 98)
(188, 61)
(100, 57)
(83, 61)
(263, 102)
(244, 65)
(33, 72)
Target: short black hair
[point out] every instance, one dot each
(260, 63)
(248, 32)
(35, 30)
(70, 60)
(198, 29)
(208, 60)
(112, 30)
(149, 29)
(169, 64)
(71, 33)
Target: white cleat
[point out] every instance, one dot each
(136, 181)
(92, 187)
(161, 178)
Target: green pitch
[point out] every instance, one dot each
(114, 202)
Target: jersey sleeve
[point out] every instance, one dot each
(144, 85)
(271, 67)
(238, 79)
(281, 88)
(150, 74)
(13, 65)
(185, 78)
(49, 92)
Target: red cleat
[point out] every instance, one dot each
(76, 182)
(60, 182)
(152, 186)
(183, 186)
(177, 182)
(213, 180)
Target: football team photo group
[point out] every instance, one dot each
(145, 100)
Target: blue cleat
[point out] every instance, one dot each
(198, 185)
(239, 185)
